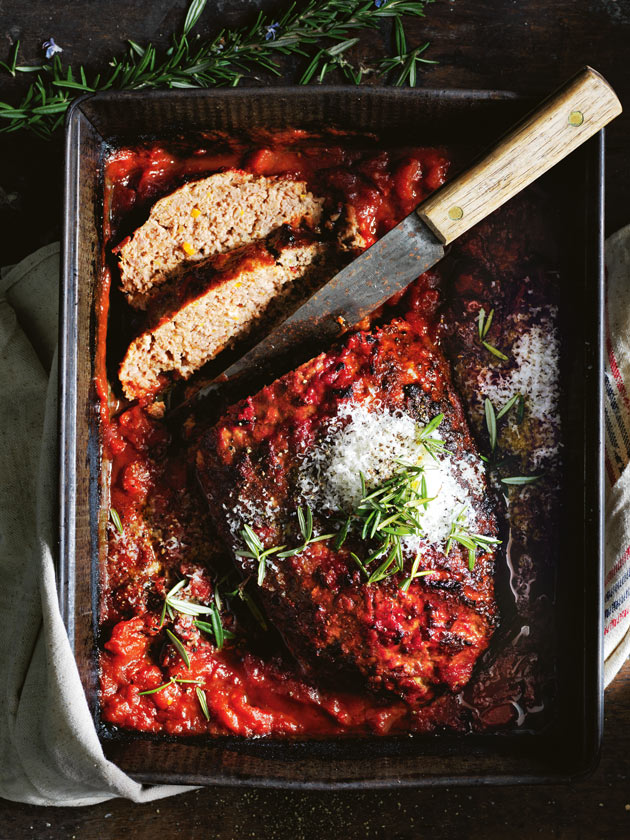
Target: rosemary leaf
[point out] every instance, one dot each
(494, 351)
(491, 423)
(514, 480)
(201, 696)
(179, 646)
(113, 513)
(508, 406)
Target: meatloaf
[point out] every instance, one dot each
(218, 301)
(308, 441)
(206, 217)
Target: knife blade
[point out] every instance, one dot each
(559, 125)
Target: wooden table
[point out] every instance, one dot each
(529, 46)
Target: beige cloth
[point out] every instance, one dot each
(50, 752)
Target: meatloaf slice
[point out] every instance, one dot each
(217, 302)
(305, 441)
(206, 217)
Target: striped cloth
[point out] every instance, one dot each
(617, 422)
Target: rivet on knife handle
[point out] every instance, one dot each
(559, 125)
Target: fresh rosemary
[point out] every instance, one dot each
(201, 697)
(483, 327)
(461, 534)
(115, 517)
(321, 31)
(172, 681)
(215, 628)
(492, 416)
(513, 480)
(425, 436)
(256, 551)
(179, 647)
(201, 694)
(404, 587)
(388, 514)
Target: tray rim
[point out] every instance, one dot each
(67, 420)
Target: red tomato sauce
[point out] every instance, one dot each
(249, 686)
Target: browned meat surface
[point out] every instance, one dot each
(218, 302)
(206, 217)
(303, 440)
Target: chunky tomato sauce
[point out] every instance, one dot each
(160, 532)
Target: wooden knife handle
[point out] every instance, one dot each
(558, 126)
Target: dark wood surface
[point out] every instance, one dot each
(523, 45)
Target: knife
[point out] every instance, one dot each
(560, 124)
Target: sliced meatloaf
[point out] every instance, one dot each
(311, 439)
(217, 302)
(206, 217)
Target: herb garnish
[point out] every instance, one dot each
(432, 444)
(520, 479)
(491, 416)
(172, 681)
(491, 423)
(404, 587)
(461, 534)
(201, 696)
(258, 553)
(115, 517)
(386, 514)
(305, 521)
(179, 646)
(483, 327)
(215, 628)
(322, 31)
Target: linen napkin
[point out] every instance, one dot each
(51, 754)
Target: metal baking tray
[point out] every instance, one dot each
(569, 746)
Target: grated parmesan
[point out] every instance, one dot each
(535, 375)
(360, 440)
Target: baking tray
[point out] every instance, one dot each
(569, 746)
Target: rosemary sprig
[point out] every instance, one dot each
(404, 586)
(257, 552)
(321, 31)
(483, 327)
(305, 521)
(491, 416)
(508, 405)
(201, 694)
(172, 681)
(115, 517)
(461, 534)
(491, 423)
(215, 628)
(388, 514)
(432, 444)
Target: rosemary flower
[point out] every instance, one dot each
(50, 48)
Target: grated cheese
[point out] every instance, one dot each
(371, 441)
(535, 375)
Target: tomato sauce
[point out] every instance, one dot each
(159, 530)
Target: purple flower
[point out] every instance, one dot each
(378, 3)
(271, 31)
(51, 48)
